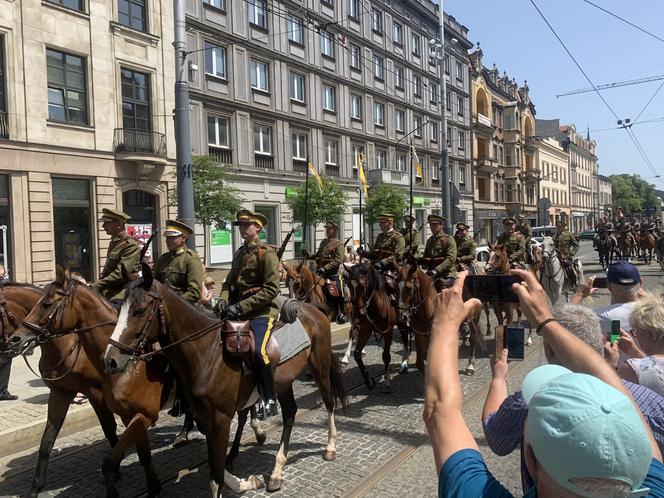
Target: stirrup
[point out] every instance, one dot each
(265, 410)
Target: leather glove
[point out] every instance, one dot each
(319, 271)
(433, 274)
(220, 306)
(232, 312)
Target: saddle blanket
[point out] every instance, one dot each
(292, 338)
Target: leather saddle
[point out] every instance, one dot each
(330, 288)
(390, 278)
(238, 339)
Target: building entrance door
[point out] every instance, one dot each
(141, 206)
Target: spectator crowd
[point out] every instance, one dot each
(589, 423)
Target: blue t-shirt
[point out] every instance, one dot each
(465, 475)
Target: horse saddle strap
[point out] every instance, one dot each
(331, 288)
(237, 337)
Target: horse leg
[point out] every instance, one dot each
(58, 405)
(256, 426)
(487, 312)
(387, 358)
(145, 457)
(288, 411)
(405, 353)
(474, 331)
(106, 419)
(235, 448)
(346, 356)
(362, 339)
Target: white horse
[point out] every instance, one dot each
(554, 280)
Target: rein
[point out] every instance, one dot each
(76, 346)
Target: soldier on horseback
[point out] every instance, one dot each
(524, 229)
(440, 253)
(465, 248)
(567, 246)
(514, 242)
(248, 293)
(328, 258)
(411, 235)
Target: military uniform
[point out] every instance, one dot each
(440, 252)
(389, 248)
(515, 243)
(567, 246)
(412, 238)
(527, 232)
(182, 270)
(329, 257)
(466, 248)
(123, 251)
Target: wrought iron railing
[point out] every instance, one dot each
(264, 162)
(139, 141)
(332, 170)
(4, 124)
(300, 165)
(222, 155)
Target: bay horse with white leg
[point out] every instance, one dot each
(499, 264)
(647, 245)
(215, 381)
(63, 366)
(372, 313)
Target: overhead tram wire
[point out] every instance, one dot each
(624, 20)
(649, 101)
(562, 43)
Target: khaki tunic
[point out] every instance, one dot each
(526, 231)
(440, 254)
(182, 271)
(245, 284)
(566, 243)
(389, 248)
(515, 245)
(465, 249)
(330, 255)
(123, 251)
(412, 245)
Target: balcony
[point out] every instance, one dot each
(530, 146)
(533, 174)
(486, 164)
(387, 176)
(140, 146)
(512, 136)
(263, 161)
(482, 125)
(333, 170)
(4, 124)
(221, 154)
(300, 166)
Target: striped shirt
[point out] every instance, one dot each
(503, 429)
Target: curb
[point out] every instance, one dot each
(22, 438)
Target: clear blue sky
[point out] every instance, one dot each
(514, 36)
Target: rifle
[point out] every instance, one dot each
(347, 241)
(282, 248)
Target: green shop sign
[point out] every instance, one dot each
(421, 201)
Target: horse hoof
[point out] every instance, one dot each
(181, 439)
(371, 384)
(364, 352)
(403, 369)
(529, 341)
(330, 455)
(261, 437)
(274, 485)
(344, 363)
(470, 370)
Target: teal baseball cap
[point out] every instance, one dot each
(580, 427)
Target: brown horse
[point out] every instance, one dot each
(417, 303)
(75, 311)
(213, 380)
(65, 369)
(372, 313)
(647, 245)
(625, 244)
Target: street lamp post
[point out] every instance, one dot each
(445, 166)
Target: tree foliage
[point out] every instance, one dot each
(385, 198)
(215, 199)
(632, 193)
(327, 203)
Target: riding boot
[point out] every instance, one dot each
(265, 379)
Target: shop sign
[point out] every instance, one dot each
(141, 232)
(221, 246)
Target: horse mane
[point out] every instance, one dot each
(23, 285)
(136, 292)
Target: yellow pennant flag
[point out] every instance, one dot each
(361, 161)
(419, 176)
(319, 180)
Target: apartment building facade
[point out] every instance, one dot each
(605, 196)
(554, 180)
(322, 81)
(504, 149)
(85, 123)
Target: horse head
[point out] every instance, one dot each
(358, 278)
(407, 287)
(548, 248)
(499, 262)
(16, 302)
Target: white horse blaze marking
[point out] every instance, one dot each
(123, 318)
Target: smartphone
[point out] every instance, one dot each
(600, 283)
(491, 288)
(514, 341)
(614, 337)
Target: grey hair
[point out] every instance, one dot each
(648, 315)
(625, 292)
(582, 322)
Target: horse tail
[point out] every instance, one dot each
(337, 387)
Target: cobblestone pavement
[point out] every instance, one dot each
(376, 428)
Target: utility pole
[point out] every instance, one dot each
(445, 163)
(184, 172)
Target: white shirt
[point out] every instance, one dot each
(620, 312)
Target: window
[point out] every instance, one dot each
(462, 174)
(331, 152)
(354, 8)
(460, 105)
(462, 140)
(417, 82)
(262, 139)
(377, 21)
(295, 30)
(71, 4)
(379, 68)
(417, 126)
(401, 162)
(398, 77)
(354, 57)
(299, 147)
(135, 100)
(327, 44)
(435, 169)
(260, 75)
(381, 159)
(433, 88)
(379, 114)
(434, 131)
(215, 60)
(415, 40)
(296, 87)
(132, 13)
(329, 98)
(397, 34)
(450, 137)
(447, 64)
(448, 100)
(355, 106)
(459, 72)
(399, 120)
(218, 132)
(67, 96)
(329, 3)
(257, 13)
